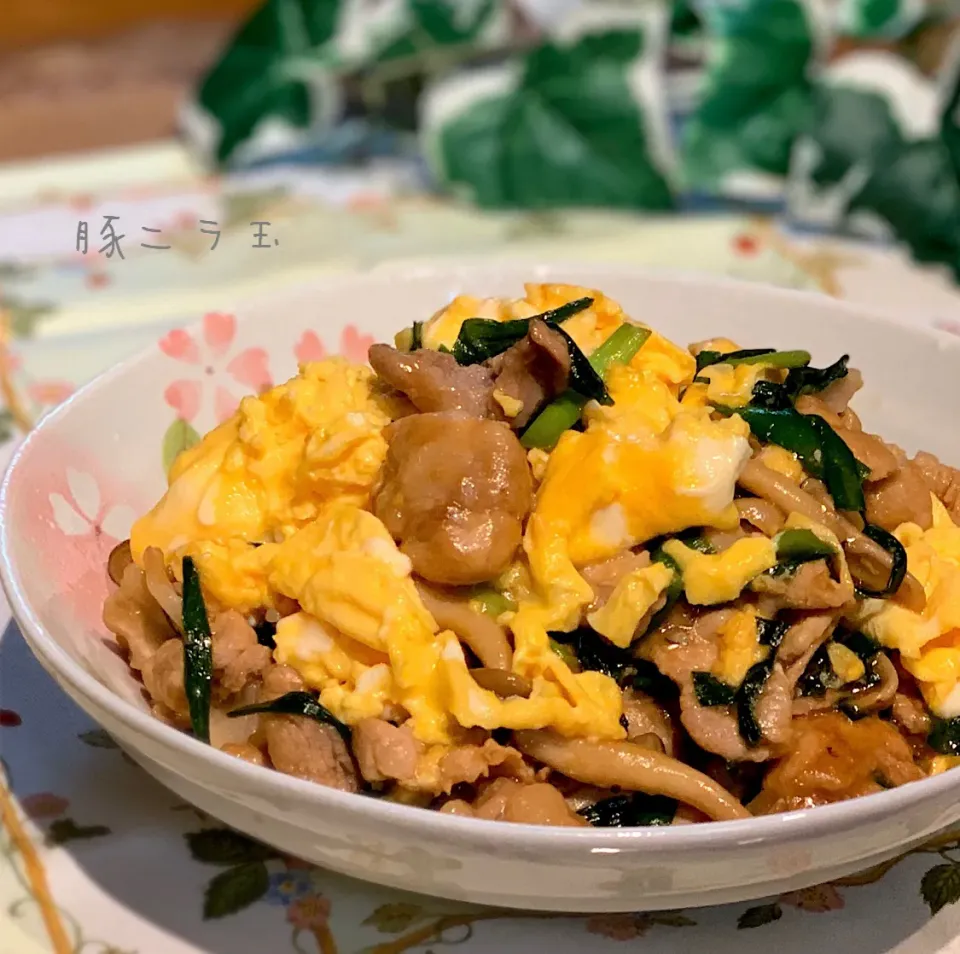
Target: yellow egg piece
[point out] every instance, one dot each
(601, 494)
(364, 638)
(235, 573)
(631, 600)
(710, 578)
(739, 648)
(928, 642)
(276, 463)
(731, 384)
(782, 461)
(845, 662)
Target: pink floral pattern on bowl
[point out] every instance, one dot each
(249, 367)
(82, 515)
(353, 346)
(84, 512)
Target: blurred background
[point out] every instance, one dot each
(813, 144)
(83, 74)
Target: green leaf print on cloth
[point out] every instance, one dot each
(235, 889)
(379, 31)
(879, 18)
(298, 68)
(941, 886)
(755, 98)
(273, 78)
(875, 162)
(573, 124)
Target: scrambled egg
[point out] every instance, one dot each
(845, 663)
(782, 461)
(632, 598)
(273, 507)
(727, 384)
(739, 647)
(588, 328)
(928, 642)
(710, 578)
(275, 464)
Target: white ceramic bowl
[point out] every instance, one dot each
(80, 477)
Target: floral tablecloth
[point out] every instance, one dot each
(96, 858)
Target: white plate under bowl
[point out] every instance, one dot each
(96, 461)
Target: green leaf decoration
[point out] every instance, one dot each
(276, 69)
(564, 127)
(924, 209)
(760, 915)
(296, 65)
(412, 28)
(235, 889)
(851, 129)
(879, 19)
(223, 846)
(685, 22)
(881, 160)
(394, 918)
(66, 829)
(756, 97)
(98, 739)
(180, 436)
(941, 886)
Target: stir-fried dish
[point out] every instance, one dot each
(537, 563)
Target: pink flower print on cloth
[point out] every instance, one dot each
(209, 359)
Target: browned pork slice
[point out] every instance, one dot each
(506, 799)
(812, 586)
(903, 497)
(533, 371)
(604, 576)
(832, 759)
(299, 746)
(941, 480)
(686, 644)
(238, 659)
(385, 752)
(434, 382)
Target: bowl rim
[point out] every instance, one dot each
(797, 825)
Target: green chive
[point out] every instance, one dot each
(619, 348)
(841, 470)
(562, 413)
(566, 653)
(710, 691)
(296, 703)
(197, 652)
(801, 546)
(491, 602)
(786, 428)
(765, 356)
